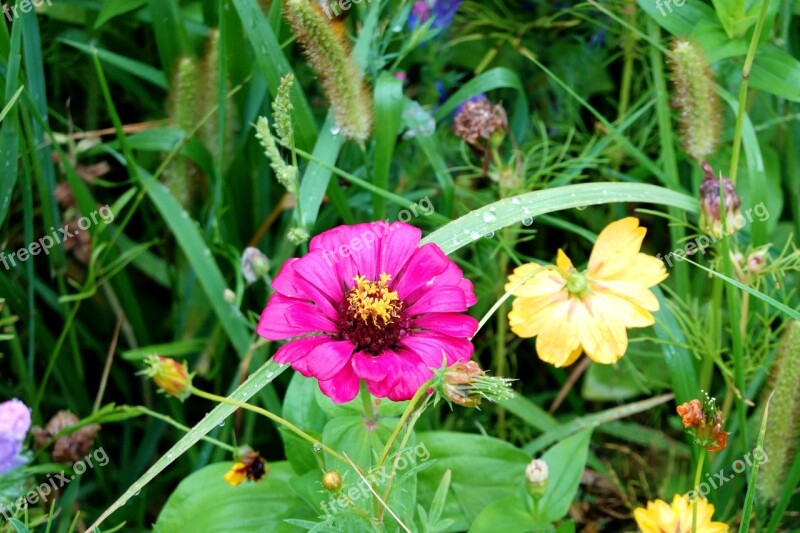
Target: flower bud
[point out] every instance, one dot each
(710, 214)
(703, 420)
(170, 376)
(536, 474)
(249, 465)
(332, 481)
(255, 265)
(757, 261)
(464, 383)
(298, 235)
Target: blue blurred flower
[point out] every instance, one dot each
(15, 421)
(443, 12)
(477, 98)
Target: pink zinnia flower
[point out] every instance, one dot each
(15, 421)
(368, 302)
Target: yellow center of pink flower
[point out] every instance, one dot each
(373, 302)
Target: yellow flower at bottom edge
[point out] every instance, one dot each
(572, 312)
(660, 517)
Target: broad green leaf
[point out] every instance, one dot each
(565, 464)
(205, 502)
(171, 38)
(509, 515)
(678, 19)
(776, 72)
(388, 108)
(484, 470)
(300, 407)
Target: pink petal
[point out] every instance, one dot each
(442, 300)
(370, 367)
(410, 374)
(398, 246)
(290, 283)
(285, 318)
(426, 263)
(452, 276)
(298, 348)
(452, 324)
(432, 348)
(325, 360)
(343, 387)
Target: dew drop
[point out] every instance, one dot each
(335, 130)
(582, 207)
(489, 235)
(474, 235)
(515, 201)
(317, 447)
(527, 221)
(489, 217)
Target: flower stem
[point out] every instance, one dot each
(366, 402)
(697, 475)
(748, 63)
(275, 418)
(409, 409)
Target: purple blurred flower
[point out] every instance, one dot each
(15, 421)
(443, 12)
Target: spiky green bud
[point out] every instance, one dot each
(782, 426)
(696, 99)
(286, 174)
(282, 111)
(298, 235)
(329, 56)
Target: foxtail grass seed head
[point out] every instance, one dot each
(703, 420)
(286, 175)
(695, 98)
(465, 384)
(329, 55)
(180, 175)
(332, 481)
(255, 265)
(282, 111)
(209, 96)
(249, 465)
(710, 214)
(783, 430)
(172, 377)
(536, 474)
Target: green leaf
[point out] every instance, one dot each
(131, 66)
(205, 502)
(484, 470)
(9, 131)
(388, 108)
(749, 499)
(776, 72)
(497, 78)
(678, 358)
(678, 20)
(508, 515)
(300, 407)
(170, 31)
(592, 421)
(498, 215)
(114, 8)
(565, 464)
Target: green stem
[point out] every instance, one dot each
(275, 418)
(366, 402)
(409, 409)
(748, 64)
(697, 475)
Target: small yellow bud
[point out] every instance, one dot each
(332, 480)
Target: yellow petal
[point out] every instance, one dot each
(558, 338)
(624, 310)
(563, 262)
(602, 332)
(235, 475)
(615, 248)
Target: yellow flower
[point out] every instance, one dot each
(660, 517)
(236, 474)
(571, 312)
